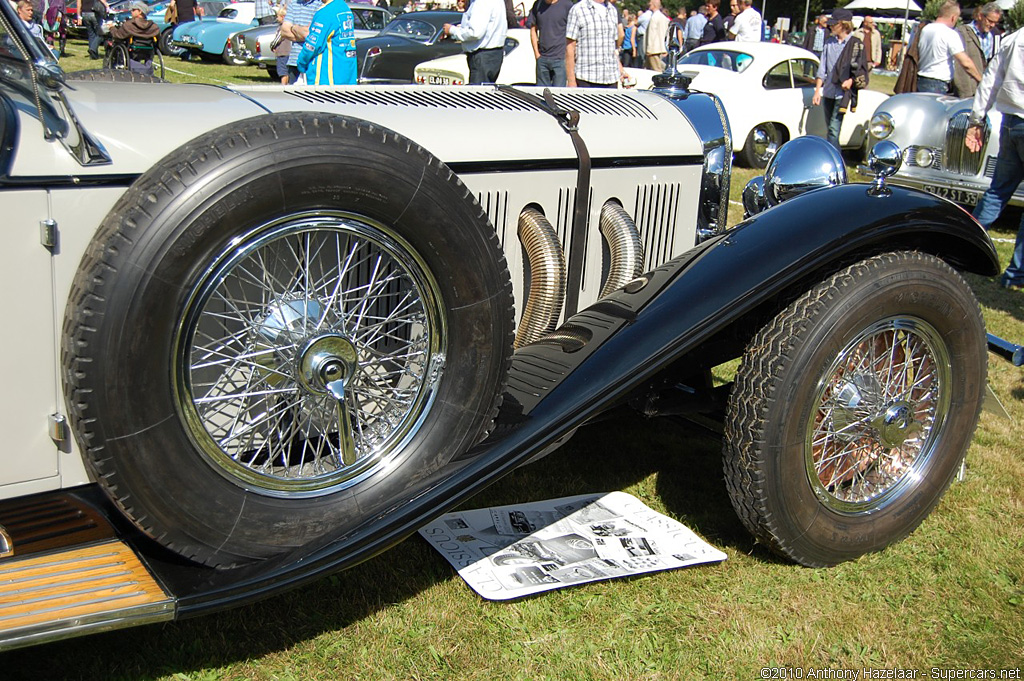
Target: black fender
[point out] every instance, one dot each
(609, 349)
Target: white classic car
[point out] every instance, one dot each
(767, 90)
(280, 336)
(518, 68)
(931, 130)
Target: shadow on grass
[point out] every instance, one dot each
(662, 462)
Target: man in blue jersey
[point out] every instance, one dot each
(328, 55)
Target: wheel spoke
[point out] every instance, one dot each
(263, 324)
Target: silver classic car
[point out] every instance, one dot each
(931, 129)
(279, 337)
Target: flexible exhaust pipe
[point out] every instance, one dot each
(547, 277)
(627, 252)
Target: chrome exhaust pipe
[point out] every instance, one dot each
(547, 277)
(627, 252)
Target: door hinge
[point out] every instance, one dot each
(58, 427)
(48, 233)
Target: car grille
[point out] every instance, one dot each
(958, 158)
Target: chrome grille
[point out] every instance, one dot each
(958, 158)
(990, 166)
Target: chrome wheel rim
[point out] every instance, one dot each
(309, 353)
(879, 410)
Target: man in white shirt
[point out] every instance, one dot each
(656, 38)
(938, 47)
(482, 33)
(1003, 87)
(747, 26)
(642, 21)
(591, 55)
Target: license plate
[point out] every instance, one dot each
(439, 80)
(961, 196)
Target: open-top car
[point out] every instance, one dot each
(280, 336)
(931, 130)
(767, 90)
(392, 55)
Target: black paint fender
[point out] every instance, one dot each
(610, 348)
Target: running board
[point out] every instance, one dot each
(67, 574)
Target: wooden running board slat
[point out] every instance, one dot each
(96, 587)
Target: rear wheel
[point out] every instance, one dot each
(260, 354)
(272, 72)
(762, 142)
(853, 409)
(166, 46)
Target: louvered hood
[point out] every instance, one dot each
(473, 123)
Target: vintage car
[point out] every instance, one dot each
(210, 9)
(931, 130)
(210, 39)
(277, 338)
(252, 46)
(519, 66)
(392, 55)
(767, 90)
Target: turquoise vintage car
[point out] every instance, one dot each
(210, 37)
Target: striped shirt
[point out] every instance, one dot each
(301, 14)
(594, 27)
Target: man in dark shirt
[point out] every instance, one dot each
(714, 31)
(186, 10)
(546, 21)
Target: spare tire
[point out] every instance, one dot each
(279, 328)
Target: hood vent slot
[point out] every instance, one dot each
(597, 104)
(657, 207)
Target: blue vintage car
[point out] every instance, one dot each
(210, 37)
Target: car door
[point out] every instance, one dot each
(804, 73)
(783, 100)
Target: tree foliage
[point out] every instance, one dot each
(1013, 18)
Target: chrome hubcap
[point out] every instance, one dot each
(881, 405)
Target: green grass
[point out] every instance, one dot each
(951, 595)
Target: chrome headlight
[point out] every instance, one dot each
(801, 165)
(882, 125)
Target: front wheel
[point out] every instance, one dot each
(762, 143)
(854, 407)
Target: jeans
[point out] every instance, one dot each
(1008, 175)
(485, 65)
(92, 31)
(551, 71)
(833, 119)
(934, 85)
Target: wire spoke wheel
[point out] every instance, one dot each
(853, 408)
(879, 403)
(309, 352)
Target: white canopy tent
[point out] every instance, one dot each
(885, 8)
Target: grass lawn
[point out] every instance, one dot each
(949, 596)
